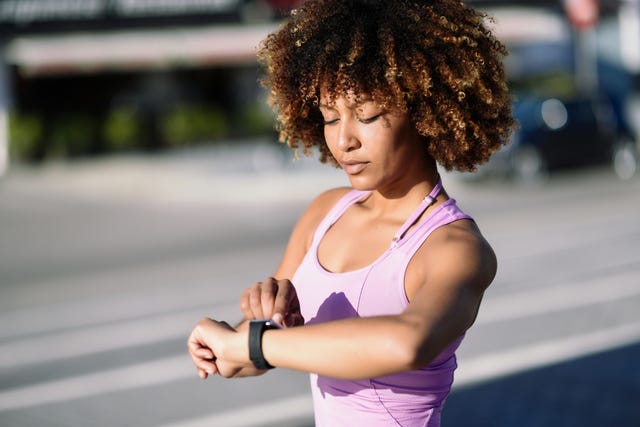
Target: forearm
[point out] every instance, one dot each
(364, 347)
(350, 348)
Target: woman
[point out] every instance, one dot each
(389, 274)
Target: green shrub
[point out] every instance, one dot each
(191, 124)
(256, 119)
(71, 135)
(25, 136)
(121, 130)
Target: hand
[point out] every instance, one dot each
(272, 299)
(216, 348)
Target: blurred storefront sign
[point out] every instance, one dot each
(93, 37)
(542, 25)
(29, 16)
(136, 50)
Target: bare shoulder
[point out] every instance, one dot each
(321, 205)
(302, 235)
(458, 255)
(317, 210)
(327, 199)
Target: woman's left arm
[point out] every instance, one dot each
(445, 284)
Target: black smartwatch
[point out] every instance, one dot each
(256, 329)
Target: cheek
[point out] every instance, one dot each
(379, 142)
(330, 139)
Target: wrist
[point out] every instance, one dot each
(240, 349)
(233, 348)
(243, 325)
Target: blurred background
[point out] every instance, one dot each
(142, 187)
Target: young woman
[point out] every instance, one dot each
(380, 281)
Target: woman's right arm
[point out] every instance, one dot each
(276, 297)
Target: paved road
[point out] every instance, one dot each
(106, 265)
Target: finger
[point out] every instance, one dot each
(245, 306)
(279, 319)
(282, 301)
(255, 304)
(294, 319)
(194, 343)
(198, 360)
(204, 353)
(207, 366)
(294, 316)
(268, 295)
(289, 298)
(201, 368)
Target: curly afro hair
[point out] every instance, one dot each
(434, 60)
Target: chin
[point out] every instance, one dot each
(362, 184)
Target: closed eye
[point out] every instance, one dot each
(371, 119)
(329, 122)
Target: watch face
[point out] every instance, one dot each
(273, 324)
(268, 323)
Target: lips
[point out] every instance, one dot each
(354, 167)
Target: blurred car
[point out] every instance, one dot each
(561, 126)
(560, 133)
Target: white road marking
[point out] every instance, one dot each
(498, 308)
(537, 355)
(95, 339)
(149, 330)
(162, 371)
(269, 413)
(141, 375)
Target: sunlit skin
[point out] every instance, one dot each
(389, 92)
(380, 152)
(377, 148)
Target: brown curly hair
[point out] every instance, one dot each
(434, 60)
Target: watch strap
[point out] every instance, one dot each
(256, 330)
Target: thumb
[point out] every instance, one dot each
(278, 318)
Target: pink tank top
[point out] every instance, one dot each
(413, 398)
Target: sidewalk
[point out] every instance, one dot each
(225, 173)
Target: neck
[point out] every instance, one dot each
(402, 200)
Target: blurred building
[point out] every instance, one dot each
(161, 72)
(82, 76)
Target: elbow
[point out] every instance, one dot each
(423, 350)
(413, 351)
(416, 357)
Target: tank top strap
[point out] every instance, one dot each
(424, 205)
(336, 212)
(444, 214)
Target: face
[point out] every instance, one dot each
(378, 149)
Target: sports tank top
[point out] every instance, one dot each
(409, 399)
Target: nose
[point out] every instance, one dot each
(347, 137)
